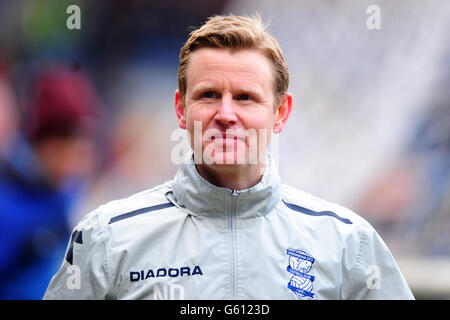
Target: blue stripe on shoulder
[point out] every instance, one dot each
(316, 213)
(141, 211)
(77, 236)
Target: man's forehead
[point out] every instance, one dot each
(212, 64)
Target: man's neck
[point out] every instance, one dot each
(232, 177)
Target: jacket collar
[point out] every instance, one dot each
(201, 198)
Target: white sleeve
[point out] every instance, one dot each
(84, 271)
(375, 275)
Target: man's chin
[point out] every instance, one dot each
(230, 159)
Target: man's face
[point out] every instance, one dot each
(229, 108)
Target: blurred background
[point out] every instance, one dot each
(86, 116)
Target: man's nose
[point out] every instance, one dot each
(226, 112)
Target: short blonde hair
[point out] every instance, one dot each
(235, 33)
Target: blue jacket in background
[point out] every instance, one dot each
(33, 225)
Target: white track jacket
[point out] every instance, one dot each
(188, 239)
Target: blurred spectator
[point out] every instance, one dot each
(41, 178)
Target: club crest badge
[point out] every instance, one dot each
(300, 263)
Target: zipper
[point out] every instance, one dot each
(234, 276)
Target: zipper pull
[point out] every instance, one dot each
(235, 193)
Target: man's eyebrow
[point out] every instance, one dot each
(204, 86)
(246, 89)
(255, 90)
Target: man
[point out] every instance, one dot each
(225, 227)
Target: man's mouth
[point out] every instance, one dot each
(226, 136)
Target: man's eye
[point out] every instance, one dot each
(243, 97)
(209, 95)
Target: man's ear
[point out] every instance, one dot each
(180, 110)
(282, 113)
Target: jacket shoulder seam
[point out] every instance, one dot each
(140, 211)
(313, 213)
(138, 201)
